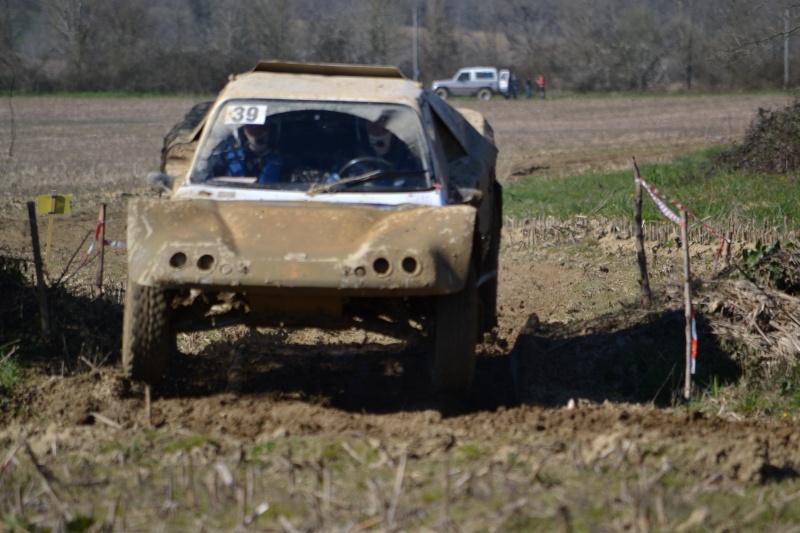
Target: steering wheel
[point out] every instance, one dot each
(374, 163)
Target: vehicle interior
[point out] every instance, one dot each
(314, 146)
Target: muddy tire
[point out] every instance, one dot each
(455, 339)
(146, 335)
(485, 94)
(442, 93)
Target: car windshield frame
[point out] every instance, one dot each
(311, 143)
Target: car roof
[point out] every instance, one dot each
(320, 81)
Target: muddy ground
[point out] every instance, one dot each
(566, 413)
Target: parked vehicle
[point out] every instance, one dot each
(483, 82)
(337, 237)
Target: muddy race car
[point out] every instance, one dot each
(310, 195)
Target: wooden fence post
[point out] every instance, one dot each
(97, 290)
(728, 250)
(687, 300)
(40, 284)
(644, 280)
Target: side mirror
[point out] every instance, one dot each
(472, 197)
(160, 182)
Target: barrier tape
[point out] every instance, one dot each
(664, 209)
(116, 244)
(657, 195)
(91, 246)
(652, 190)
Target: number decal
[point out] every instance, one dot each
(246, 114)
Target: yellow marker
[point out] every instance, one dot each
(53, 204)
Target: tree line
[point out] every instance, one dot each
(192, 46)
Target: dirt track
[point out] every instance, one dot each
(245, 387)
(253, 389)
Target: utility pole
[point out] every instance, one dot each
(786, 49)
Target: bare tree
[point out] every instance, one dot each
(585, 42)
(581, 44)
(439, 43)
(748, 49)
(526, 26)
(686, 31)
(272, 27)
(382, 30)
(75, 23)
(8, 56)
(637, 49)
(329, 38)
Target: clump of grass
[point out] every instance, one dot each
(11, 373)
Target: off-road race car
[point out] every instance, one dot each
(333, 230)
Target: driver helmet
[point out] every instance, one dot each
(257, 136)
(380, 139)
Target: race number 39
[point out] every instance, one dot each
(246, 114)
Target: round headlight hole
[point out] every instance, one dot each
(409, 265)
(178, 260)
(206, 262)
(381, 266)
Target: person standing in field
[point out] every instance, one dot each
(540, 84)
(513, 86)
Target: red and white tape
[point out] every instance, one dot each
(116, 244)
(663, 208)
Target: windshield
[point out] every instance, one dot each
(313, 145)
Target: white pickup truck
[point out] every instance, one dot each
(481, 81)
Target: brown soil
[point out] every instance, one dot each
(244, 386)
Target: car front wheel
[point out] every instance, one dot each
(442, 93)
(146, 335)
(455, 339)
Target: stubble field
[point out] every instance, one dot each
(275, 430)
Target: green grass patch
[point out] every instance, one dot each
(11, 373)
(720, 196)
